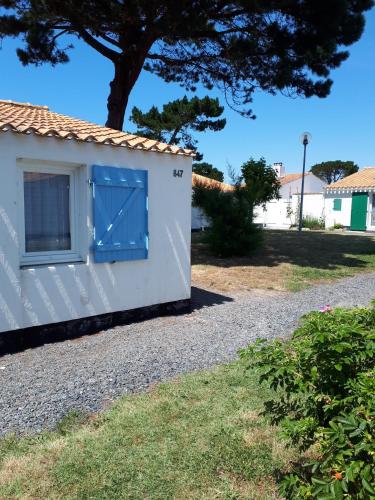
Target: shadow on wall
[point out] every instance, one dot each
(57, 293)
(321, 250)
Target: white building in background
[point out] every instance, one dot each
(93, 221)
(350, 202)
(282, 213)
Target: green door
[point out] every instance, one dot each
(359, 211)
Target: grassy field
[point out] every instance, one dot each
(199, 436)
(287, 261)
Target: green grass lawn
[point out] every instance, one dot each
(287, 260)
(196, 437)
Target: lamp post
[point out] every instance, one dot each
(305, 139)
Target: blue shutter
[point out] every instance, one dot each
(120, 214)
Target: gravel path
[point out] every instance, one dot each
(40, 385)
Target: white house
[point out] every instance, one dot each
(350, 202)
(282, 213)
(93, 221)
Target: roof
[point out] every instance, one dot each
(26, 118)
(292, 177)
(364, 179)
(201, 180)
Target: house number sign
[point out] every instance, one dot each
(177, 173)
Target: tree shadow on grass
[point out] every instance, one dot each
(321, 250)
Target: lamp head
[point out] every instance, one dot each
(306, 138)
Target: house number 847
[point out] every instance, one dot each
(177, 173)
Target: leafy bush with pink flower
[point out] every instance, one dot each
(324, 382)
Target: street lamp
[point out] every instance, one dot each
(305, 139)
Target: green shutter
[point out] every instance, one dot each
(337, 204)
(359, 211)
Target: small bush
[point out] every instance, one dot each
(338, 226)
(232, 232)
(324, 379)
(313, 223)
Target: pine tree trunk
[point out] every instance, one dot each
(172, 140)
(118, 98)
(127, 70)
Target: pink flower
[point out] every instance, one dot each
(326, 309)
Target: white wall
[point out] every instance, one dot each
(313, 205)
(52, 293)
(275, 214)
(283, 213)
(342, 216)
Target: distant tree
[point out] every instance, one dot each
(237, 46)
(260, 182)
(208, 170)
(179, 119)
(332, 171)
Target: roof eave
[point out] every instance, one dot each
(177, 151)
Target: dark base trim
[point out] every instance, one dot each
(26, 338)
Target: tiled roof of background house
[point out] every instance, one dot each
(201, 180)
(29, 119)
(365, 178)
(291, 177)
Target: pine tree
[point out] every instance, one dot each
(237, 46)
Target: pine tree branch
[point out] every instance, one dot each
(95, 44)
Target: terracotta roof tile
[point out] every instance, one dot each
(26, 118)
(201, 180)
(363, 179)
(292, 177)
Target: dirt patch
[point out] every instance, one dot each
(32, 467)
(240, 277)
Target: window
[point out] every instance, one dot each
(49, 215)
(337, 204)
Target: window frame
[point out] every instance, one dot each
(54, 256)
(339, 203)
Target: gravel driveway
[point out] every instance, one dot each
(40, 385)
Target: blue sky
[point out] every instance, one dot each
(342, 125)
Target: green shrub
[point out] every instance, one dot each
(338, 226)
(324, 382)
(313, 223)
(232, 232)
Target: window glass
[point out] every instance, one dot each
(47, 212)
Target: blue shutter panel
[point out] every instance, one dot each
(120, 214)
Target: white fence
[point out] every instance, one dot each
(279, 214)
(198, 219)
(284, 213)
